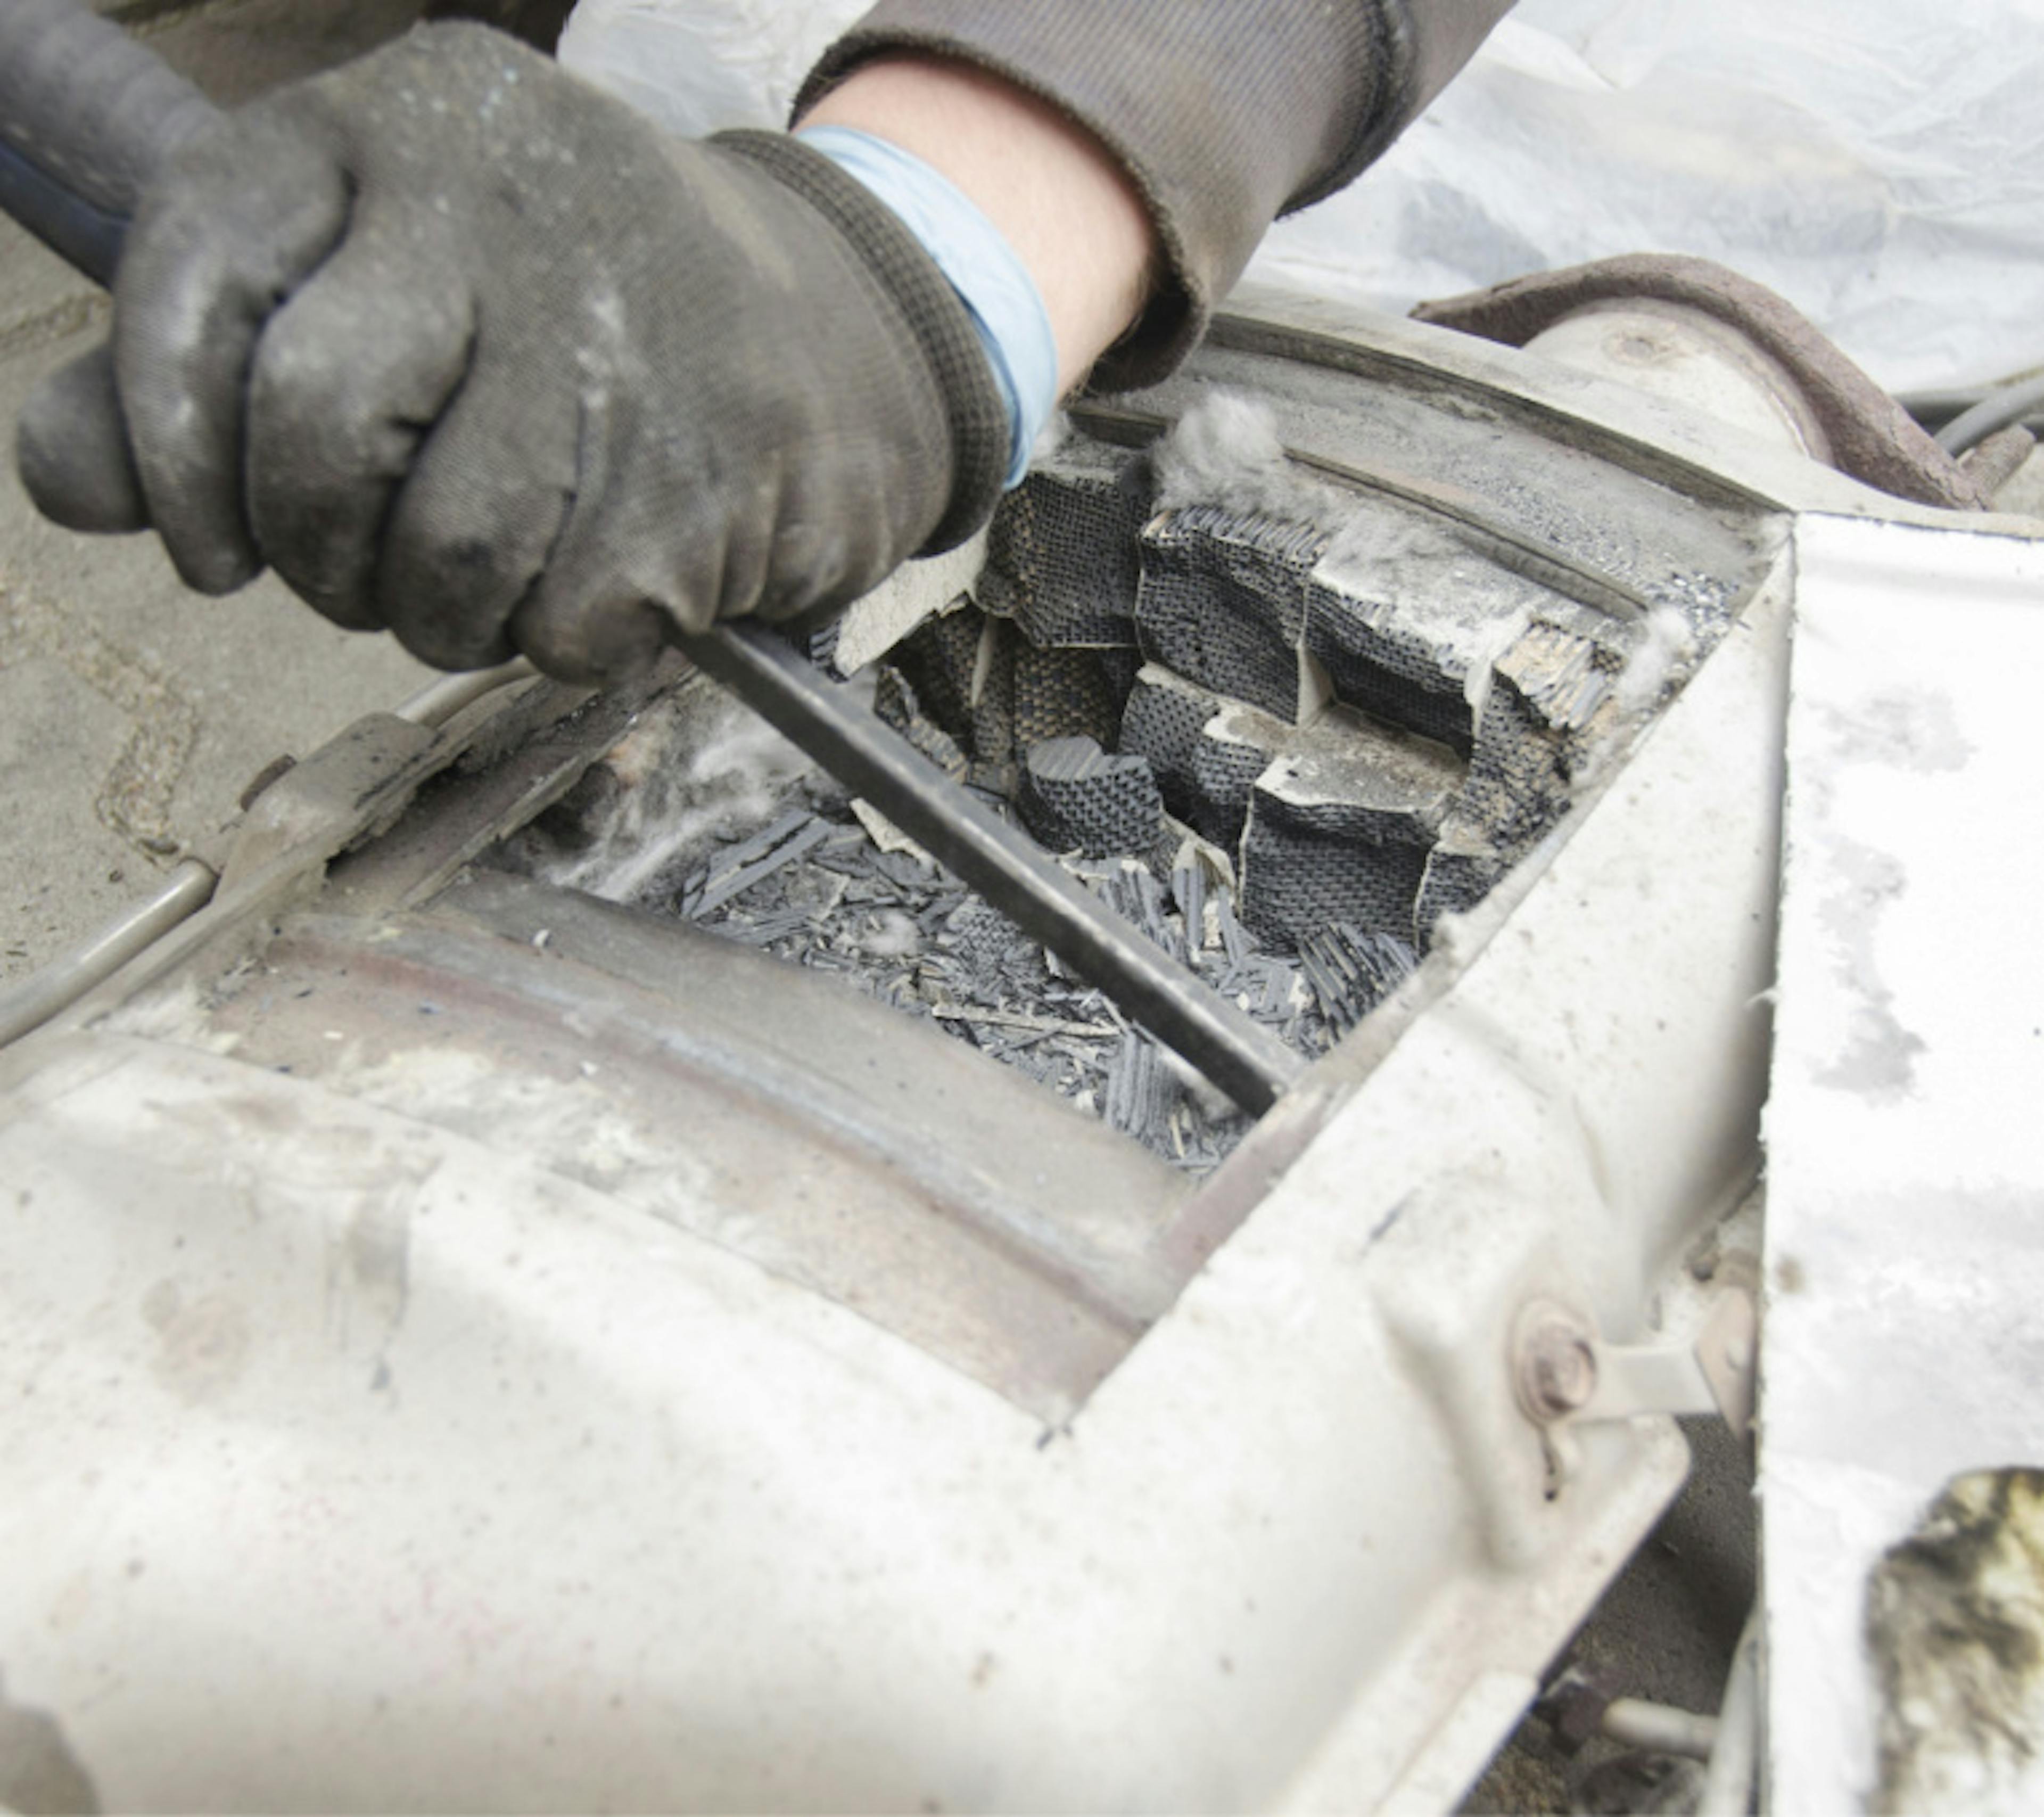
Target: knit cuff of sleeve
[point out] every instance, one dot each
(999, 296)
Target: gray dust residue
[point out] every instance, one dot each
(1905, 730)
(1879, 1059)
(39, 1772)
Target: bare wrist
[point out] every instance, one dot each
(1068, 209)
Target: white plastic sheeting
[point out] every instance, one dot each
(700, 66)
(1878, 161)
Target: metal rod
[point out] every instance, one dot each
(57, 985)
(1659, 1728)
(1195, 1021)
(439, 701)
(1734, 1767)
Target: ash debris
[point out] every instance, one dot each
(818, 893)
(694, 767)
(797, 874)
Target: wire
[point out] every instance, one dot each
(1996, 410)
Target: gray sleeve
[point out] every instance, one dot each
(1226, 113)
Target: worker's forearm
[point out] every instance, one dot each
(1221, 114)
(1067, 209)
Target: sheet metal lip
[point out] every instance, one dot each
(759, 1105)
(1461, 509)
(1715, 465)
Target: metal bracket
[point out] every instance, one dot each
(1565, 1373)
(1713, 1374)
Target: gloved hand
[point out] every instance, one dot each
(466, 349)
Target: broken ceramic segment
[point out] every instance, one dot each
(1406, 624)
(1222, 602)
(919, 590)
(1063, 694)
(1339, 831)
(1553, 704)
(1463, 868)
(1161, 722)
(1227, 758)
(1075, 796)
(897, 702)
(1062, 555)
(939, 660)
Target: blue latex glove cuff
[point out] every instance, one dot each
(1006, 308)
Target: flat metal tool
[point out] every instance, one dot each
(85, 114)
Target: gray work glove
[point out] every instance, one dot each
(464, 348)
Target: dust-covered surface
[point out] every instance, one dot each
(1665, 1631)
(1906, 1177)
(1955, 1617)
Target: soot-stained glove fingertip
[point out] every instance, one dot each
(71, 447)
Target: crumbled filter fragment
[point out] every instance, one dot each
(1062, 555)
(738, 866)
(1063, 694)
(1351, 970)
(811, 887)
(1074, 797)
(1223, 603)
(1565, 675)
